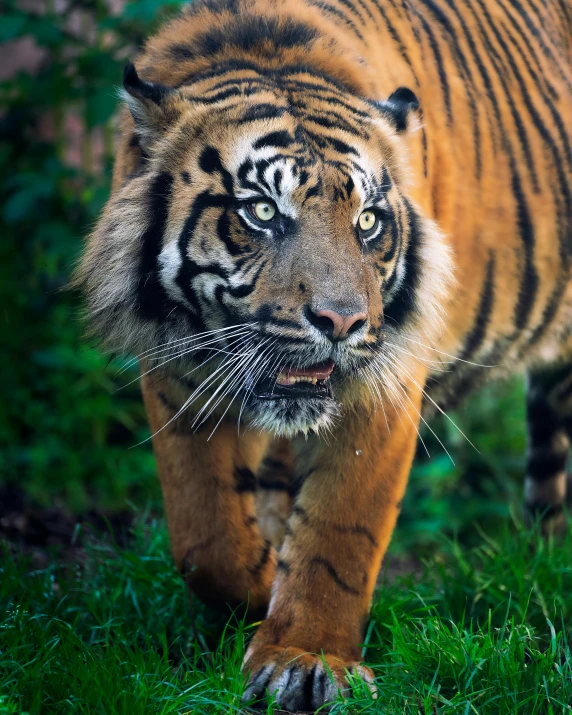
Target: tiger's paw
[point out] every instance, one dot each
(297, 680)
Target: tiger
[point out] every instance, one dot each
(329, 220)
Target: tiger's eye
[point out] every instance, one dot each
(367, 220)
(264, 210)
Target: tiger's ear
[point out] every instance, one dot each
(150, 104)
(399, 107)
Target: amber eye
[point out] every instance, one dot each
(367, 221)
(263, 210)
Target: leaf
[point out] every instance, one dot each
(100, 107)
(44, 30)
(24, 202)
(12, 26)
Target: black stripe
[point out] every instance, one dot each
(262, 111)
(543, 466)
(225, 94)
(275, 464)
(325, 141)
(533, 30)
(223, 231)
(263, 559)
(403, 302)
(540, 79)
(501, 74)
(257, 81)
(476, 336)
(281, 139)
(443, 80)
(273, 485)
(246, 289)
(535, 116)
(357, 531)
(189, 269)
(331, 571)
(284, 77)
(153, 302)
(167, 403)
(529, 283)
(298, 511)
(331, 120)
(244, 480)
(403, 51)
(349, 187)
(365, 5)
(337, 13)
(210, 162)
(335, 96)
(563, 180)
(352, 8)
(278, 175)
(534, 55)
(393, 236)
(315, 190)
(564, 393)
(470, 85)
(219, 69)
(283, 566)
(246, 32)
(298, 483)
(542, 423)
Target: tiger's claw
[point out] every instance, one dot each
(300, 681)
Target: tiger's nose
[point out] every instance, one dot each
(334, 325)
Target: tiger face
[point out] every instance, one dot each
(267, 245)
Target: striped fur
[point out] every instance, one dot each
(451, 120)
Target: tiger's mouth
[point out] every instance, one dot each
(312, 381)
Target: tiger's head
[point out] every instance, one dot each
(264, 248)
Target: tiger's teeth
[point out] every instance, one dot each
(284, 379)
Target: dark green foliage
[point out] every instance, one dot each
(484, 484)
(63, 428)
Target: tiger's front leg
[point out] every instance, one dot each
(340, 527)
(208, 489)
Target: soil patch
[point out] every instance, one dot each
(55, 532)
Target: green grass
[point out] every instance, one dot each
(485, 627)
(482, 630)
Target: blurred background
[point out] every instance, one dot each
(68, 423)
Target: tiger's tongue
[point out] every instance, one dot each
(312, 373)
